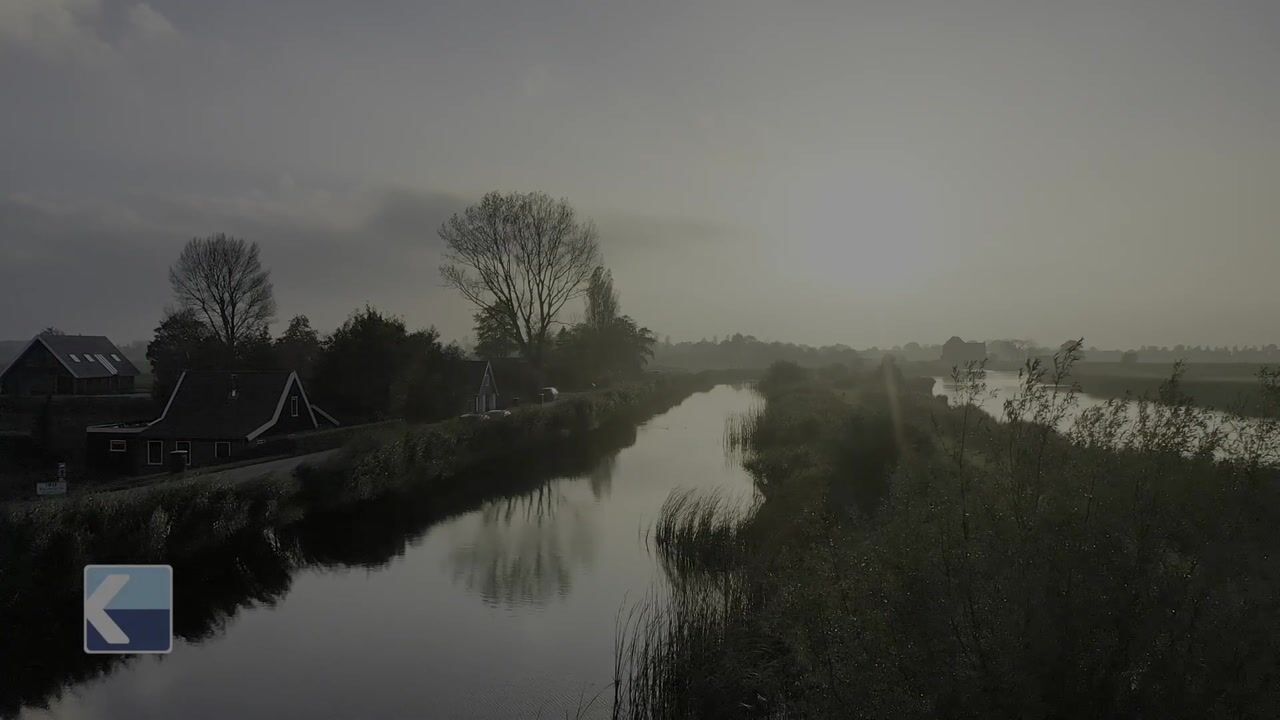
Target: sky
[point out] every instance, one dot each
(861, 172)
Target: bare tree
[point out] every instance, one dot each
(519, 258)
(222, 280)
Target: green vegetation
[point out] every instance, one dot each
(910, 559)
(58, 537)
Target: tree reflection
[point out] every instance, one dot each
(531, 537)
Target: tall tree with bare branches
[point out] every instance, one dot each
(519, 257)
(222, 280)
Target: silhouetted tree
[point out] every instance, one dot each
(372, 367)
(222, 280)
(299, 347)
(182, 342)
(520, 257)
(606, 346)
(494, 336)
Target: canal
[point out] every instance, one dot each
(504, 608)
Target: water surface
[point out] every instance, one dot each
(507, 609)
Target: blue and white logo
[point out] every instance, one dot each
(128, 609)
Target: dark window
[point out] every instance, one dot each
(185, 446)
(222, 450)
(119, 446)
(293, 406)
(155, 452)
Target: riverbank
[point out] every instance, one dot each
(535, 539)
(913, 559)
(156, 523)
(1228, 387)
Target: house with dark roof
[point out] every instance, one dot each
(521, 383)
(214, 417)
(478, 376)
(68, 365)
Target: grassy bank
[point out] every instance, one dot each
(1229, 387)
(910, 559)
(173, 520)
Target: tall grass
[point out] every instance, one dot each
(1118, 565)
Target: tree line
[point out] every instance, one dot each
(519, 258)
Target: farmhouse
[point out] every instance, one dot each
(68, 365)
(214, 417)
(478, 376)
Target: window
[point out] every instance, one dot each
(115, 357)
(184, 446)
(119, 446)
(293, 406)
(75, 359)
(88, 358)
(222, 449)
(155, 452)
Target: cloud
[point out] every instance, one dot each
(149, 24)
(52, 28)
(86, 31)
(101, 266)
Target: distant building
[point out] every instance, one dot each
(521, 382)
(958, 352)
(216, 417)
(68, 365)
(478, 375)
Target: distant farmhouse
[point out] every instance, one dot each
(68, 365)
(479, 378)
(958, 352)
(214, 417)
(520, 381)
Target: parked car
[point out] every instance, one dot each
(474, 416)
(548, 394)
(498, 413)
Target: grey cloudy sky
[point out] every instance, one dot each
(818, 171)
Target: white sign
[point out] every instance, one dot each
(62, 472)
(52, 488)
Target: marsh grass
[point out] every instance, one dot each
(1118, 564)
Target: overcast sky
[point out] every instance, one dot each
(866, 172)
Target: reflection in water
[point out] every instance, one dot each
(524, 549)
(498, 601)
(257, 567)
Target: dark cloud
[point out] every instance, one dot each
(102, 267)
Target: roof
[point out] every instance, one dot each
(518, 376)
(474, 372)
(84, 356)
(203, 405)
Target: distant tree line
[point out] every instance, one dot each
(746, 351)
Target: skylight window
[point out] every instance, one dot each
(115, 357)
(75, 359)
(88, 358)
